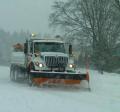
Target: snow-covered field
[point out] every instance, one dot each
(19, 97)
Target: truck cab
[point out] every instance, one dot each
(48, 55)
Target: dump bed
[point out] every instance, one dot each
(18, 56)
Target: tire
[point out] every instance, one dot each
(12, 78)
(16, 74)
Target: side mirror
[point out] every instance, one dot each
(70, 49)
(25, 48)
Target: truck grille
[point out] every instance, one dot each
(56, 62)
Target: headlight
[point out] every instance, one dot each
(40, 65)
(71, 65)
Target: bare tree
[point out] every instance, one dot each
(67, 16)
(117, 4)
(104, 30)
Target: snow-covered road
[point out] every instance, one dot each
(19, 97)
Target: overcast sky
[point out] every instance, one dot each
(29, 15)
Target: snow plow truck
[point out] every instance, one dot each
(43, 61)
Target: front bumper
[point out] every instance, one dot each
(59, 75)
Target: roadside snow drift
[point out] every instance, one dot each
(19, 97)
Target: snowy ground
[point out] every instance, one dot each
(18, 97)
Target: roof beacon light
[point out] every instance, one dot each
(33, 35)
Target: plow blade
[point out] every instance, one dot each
(40, 77)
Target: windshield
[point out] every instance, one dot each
(49, 47)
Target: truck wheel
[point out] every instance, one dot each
(16, 74)
(12, 78)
